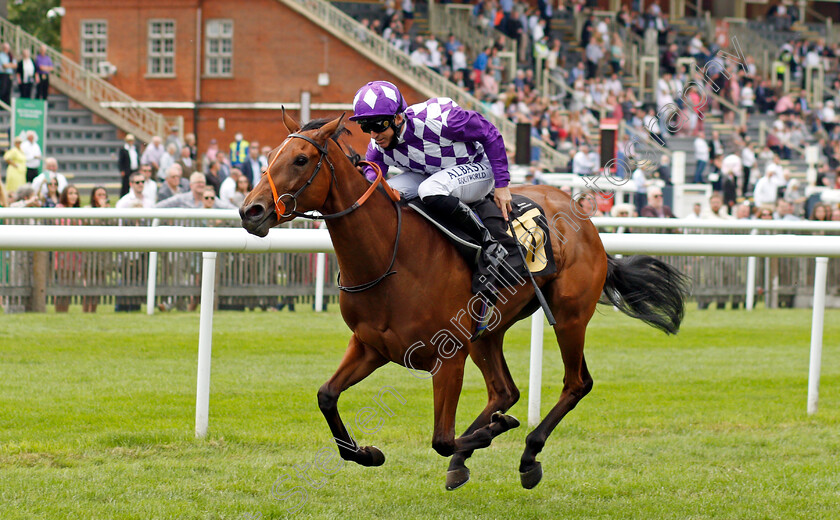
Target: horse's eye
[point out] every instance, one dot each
(301, 160)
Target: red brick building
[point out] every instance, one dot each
(211, 59)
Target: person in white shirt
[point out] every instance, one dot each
(748, 160)
(701, 154)
(766, 190)
(582, 162)
(32, 151)
(459, 59)
(227, 190)
(39, 184)
(153, 152)
(150, 187)
(748, 97)
(134, 198)
(732, 163)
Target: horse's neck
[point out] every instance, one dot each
(364, 238)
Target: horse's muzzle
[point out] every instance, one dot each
(255, 219)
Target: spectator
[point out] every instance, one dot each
(15, 166)
(227, 189)
(189, 142)
(25, 197)
(44, 67)
(243, 188)
(835, 214)
(39, 184)
(52, 198)
(716, 209)
(701, 155)
(251, 166)
(212, 176)
(188, 165)
(128, 163)
(820, 212)
(167, 159)
(153, 153)
(32, 151)
(582, 163)
(134, 198)
(743, 211)
(238, 151)
(99, 198)
(194, 198)
(26, 74)
(150, 187)
(210, 155)
(766, 191)
(656, 207)
(173, 184)
(784, 211)
(174, 138)
(7, 69)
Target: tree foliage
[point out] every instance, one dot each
(31, 16)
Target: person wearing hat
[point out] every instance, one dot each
(15, 166)
(128, 162)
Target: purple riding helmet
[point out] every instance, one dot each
(377, 99)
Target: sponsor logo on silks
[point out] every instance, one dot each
(472, 177)
(464, 169)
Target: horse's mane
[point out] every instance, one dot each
(340, 131)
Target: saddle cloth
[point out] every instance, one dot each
(531, 228)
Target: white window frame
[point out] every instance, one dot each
(160, 55)
(217, 32)
(92, 59)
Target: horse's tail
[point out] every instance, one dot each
(648, 289)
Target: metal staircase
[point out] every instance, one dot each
(422, 79)
(88, 89)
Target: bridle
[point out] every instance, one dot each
(379, 182)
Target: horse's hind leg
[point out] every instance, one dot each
(570, 331)
(502, 394)
(359, 362)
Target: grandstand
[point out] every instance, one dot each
(564, 68)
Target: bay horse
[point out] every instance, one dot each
(405, 283)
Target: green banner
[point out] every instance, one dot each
(30, 114)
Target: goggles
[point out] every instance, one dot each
(376, 125)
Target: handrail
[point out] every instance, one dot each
(423, 79)
(89, 89)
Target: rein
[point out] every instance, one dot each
(379, 182)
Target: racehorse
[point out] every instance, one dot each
(404, 283)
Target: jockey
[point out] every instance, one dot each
(449, 156)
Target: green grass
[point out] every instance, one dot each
(97, 418)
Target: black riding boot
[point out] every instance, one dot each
(451, 209)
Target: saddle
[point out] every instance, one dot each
(531, 228)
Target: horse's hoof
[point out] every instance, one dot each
(376, 457)
(532, 477)
(457, 477)
(510, 422)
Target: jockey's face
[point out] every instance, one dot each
(386, 138)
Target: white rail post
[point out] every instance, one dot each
(151, 283)
(750, 301)
(535, 379)
(205, 343)
(817, 334)
(320, 263)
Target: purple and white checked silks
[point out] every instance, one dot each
(437, 135)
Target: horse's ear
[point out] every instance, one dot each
(330, 128)
(291, 125)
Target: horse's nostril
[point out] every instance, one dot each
(255, 211)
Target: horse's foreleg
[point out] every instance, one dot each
(358, 363)
(447, 382)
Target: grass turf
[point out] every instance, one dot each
(97, 418)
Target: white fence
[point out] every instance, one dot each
(110, 238)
